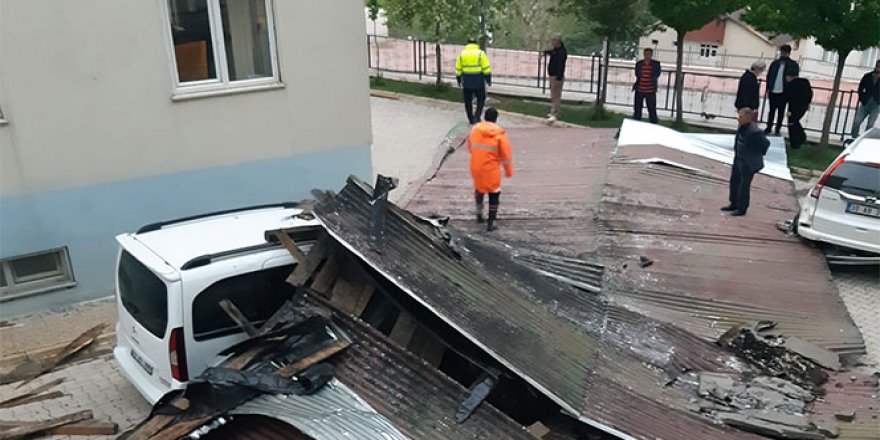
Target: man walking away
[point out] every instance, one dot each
(647, 72)
(556, 71)
(473, 74)
(748, 94)
(869, 101)
(799, 95)
(490, 150)
(776, 87)
(749, 148)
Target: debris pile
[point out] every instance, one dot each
(77, 423)
(284, 356)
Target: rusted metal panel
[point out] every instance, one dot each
(569, 344)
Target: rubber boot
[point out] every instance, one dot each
(493, 214)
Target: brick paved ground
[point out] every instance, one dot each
(97, 385)
(860, 290)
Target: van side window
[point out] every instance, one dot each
(257, 294)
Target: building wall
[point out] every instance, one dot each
(814, 63)
(95, 145)
(740, 48)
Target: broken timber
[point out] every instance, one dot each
(30, 428)
(81, 342)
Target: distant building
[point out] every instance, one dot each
(726, 42)
(118, 114)
(730, 43)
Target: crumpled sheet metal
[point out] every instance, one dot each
(718, 147)
(593, 359)
(333, 413)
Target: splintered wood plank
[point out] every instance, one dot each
(82, 341)
(404, 329)
(307, 266)
(427, 346)
(31, 428)
(87, 427)
(326, 277)
(289, 244)
(345, 294)
(238, 317)
(314, 358)
(155, 424)
(15, 399)
(33, 398)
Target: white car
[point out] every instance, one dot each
(843, 209)
(171, 276)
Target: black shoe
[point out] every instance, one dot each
(480, 218)
(768, 130)
(729, 208)
(491, 227)
(776, 133)
(738, 213)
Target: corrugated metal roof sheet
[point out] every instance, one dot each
(334, 412)
(711, 270)
(603, 357)
(418, 399)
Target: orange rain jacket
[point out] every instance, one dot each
(489, 150)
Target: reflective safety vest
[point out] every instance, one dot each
(490, 150)
(472, 65)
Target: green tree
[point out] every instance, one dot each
(373, 8)
(613, 21)
(439, 21)
(684, 16)
(839, 25)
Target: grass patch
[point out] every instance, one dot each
(809, 156)
(812, 156)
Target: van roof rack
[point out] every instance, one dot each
(159, 225)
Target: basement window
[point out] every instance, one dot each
(35, 273)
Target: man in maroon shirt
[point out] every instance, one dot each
(647, 72)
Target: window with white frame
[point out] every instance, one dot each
(708, 50)
(829, 56)
(870, 56)
(222, 43)
(34, 273)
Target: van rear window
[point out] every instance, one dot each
(257, 294)
(856, 178)
(143, 295)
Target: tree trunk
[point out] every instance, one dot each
(603, 81)
(679, 80)
(829, 109)
(437, 52)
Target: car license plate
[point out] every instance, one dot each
(856, 208)
(147, 367)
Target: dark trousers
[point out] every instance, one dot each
(494, 201)
(651, 100)
(740, 185)
(796, 134)
(469, 95)
(777, 107)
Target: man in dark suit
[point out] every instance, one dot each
(776, 87)
(748, 93)
(799, 95)
(750, 146)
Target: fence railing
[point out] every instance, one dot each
(706, 95)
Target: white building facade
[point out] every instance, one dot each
(117, 114)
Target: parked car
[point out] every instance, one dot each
(172, 275)
(843, 209)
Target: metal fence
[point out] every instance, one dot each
(706, 95)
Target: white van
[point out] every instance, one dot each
(171, 275)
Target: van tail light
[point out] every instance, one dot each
(177, 355)
(821, 183)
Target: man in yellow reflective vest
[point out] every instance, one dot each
(473, 74)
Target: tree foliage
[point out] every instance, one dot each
(684, 16)
(839, 25)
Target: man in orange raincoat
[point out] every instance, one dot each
(490, 150)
